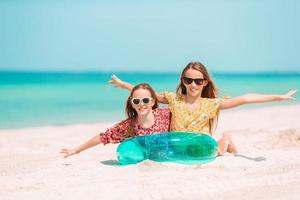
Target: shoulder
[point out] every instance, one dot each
(169, 95)
(122, 125)
(211, 102)
(161, 110)
(173, 97)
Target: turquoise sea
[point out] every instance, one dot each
(29, 99)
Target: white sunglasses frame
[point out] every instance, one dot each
(141, 100)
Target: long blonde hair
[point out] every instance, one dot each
(209, 91)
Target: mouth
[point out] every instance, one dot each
(142, 109)
(194, 90)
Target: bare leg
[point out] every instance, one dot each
(226, 145)
(223, 145)
(231, 147)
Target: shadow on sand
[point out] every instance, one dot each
(256, 159)
(111, 162)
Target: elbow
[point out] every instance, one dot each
(246, 98)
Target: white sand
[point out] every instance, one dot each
(268, 167)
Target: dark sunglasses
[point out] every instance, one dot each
(145, 100)
(188, 81)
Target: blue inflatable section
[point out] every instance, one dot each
(179, 147)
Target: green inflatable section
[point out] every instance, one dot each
(179, 147)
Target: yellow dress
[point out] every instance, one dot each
(191, 121)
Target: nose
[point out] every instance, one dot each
(142, 104)
(193, 84)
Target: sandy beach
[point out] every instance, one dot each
(267, 166)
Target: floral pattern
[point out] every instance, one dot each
(192, 121)
(117, 133)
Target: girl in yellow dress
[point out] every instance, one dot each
(195, 105)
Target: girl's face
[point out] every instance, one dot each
(194, 82)
(142, 101)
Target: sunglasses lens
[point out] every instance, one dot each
(135, 101)
(187, 80)
(146, 100)
(198, 81)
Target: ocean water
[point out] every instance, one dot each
(29, 99)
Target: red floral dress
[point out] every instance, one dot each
(116, 134)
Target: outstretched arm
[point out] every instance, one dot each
(256, 98)
(90, 143)
(118, 83)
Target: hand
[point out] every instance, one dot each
(289, 95)
(68, 152)
(118, 83)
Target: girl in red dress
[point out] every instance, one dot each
(144, 118)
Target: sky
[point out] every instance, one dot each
(157, 35)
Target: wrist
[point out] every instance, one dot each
(77, 151)
(123, 83)
(280, 97)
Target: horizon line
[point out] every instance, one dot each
(145, 71)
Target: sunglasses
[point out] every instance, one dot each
(188, 81)
(145, 100)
